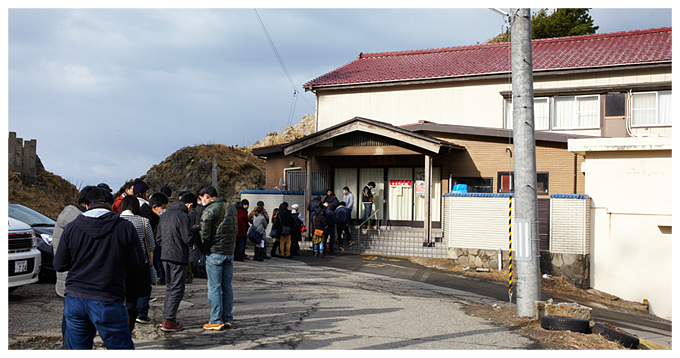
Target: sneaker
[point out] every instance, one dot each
(214, 326)
(171, 326)
(143, 320)
(351, 243)
(341, 249)
(227, 325)
(152, 299)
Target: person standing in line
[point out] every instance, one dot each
(348, 198)
(174, 235)
(286, 220)
(276, 227)
(312, 207)
(243, 225)
(66, 216)
(152, 210)
(97, 249)
(259, 229)
(367, 199)
(330, 226)
(219, 227)
(297, 230)
(138, 283)
(342, 223)
(127, 191)
(320, 231)
(197, 257)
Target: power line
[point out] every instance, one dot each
(283, 66)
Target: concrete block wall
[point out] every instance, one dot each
(570, 224)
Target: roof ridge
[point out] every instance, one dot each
(506, 44)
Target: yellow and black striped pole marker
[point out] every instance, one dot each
(510, 250)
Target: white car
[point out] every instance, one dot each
(24, 257)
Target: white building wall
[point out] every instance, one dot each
(569, 226)
(630, 183)
(471, 103)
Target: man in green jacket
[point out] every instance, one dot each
(218, 227)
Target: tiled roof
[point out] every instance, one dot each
(587, 51)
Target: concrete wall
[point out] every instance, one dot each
(630, 183)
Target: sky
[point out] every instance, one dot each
(108, 93)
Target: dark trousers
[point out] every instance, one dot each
(330, 232)
(174, 289)
(157, 264)
(344, 234)
(240, 250)
(275, 247)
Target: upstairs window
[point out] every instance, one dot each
(577, 112)
(651, 109)
(541, 114)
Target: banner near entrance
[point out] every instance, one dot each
(403, 183)
(420, 187)
(399, 184)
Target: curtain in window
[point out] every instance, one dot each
(665, 104)
(400, 199)
(644, 108)
(376, 175)
(588, 111)
(541, 114)
(565, 113)
(347, 177)
(436, 196)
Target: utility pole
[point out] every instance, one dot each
(526, 210)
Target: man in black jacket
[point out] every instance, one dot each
(97, 249)
(173, 234)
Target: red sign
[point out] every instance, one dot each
(405, 183)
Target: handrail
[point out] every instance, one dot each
(369, 217)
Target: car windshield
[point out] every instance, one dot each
(28, 216)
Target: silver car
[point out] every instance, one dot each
(24, 257)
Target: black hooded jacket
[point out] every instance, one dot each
(97, 249)
(174, 233)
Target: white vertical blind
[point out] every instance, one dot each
(577, 112)
(347, 177)
(375, 175)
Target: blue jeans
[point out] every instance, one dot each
(143, 306)
(240, 251)
(86, 317)
(319, 247)
(220, 270)
(368, 207)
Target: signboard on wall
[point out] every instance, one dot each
(383, 160)
(402, 183)
(420, 187)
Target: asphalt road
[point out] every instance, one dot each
(643, 325)
(342, 301)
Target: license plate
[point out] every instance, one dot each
(21, 266)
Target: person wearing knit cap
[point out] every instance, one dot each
(140, 187)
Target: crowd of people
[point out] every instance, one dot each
(109, 252)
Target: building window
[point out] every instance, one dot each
(651, 109)
(506, 182)
(615, 105)
(577, 112)
(541, 114)
(475, 185)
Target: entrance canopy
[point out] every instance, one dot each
(361, 136)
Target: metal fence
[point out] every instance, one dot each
(297, 181)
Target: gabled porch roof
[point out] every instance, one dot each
(419, 143)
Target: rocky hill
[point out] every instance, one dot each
(188, 168)
(49, 195)
(191, 167)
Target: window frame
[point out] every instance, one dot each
(576, 112)
(500, 175)
(657, 112)
(507, 113)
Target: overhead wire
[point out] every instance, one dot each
(285, 70)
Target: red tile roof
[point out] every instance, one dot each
(587, 51)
